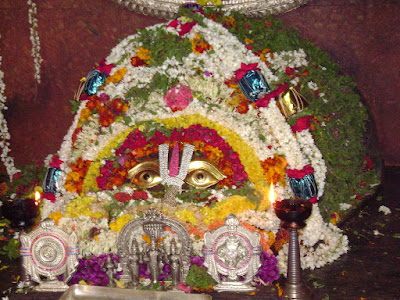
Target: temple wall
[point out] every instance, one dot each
(363, 36)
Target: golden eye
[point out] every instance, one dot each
(202, 174)
(145, 174)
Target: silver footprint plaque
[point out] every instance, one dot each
(48, 251)
(232, 251)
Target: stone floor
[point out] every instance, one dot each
(370, 270)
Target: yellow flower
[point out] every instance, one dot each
(79, 206)
(117, 76)
(120, 222)
(234, 204)
(248, 41)
(56, 216)
(85, 114)
(265, 201)
(143, 54)
(187, 216)
(120, 284)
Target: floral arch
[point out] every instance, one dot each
(186, 82)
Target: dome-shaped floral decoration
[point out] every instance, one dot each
(226, 86)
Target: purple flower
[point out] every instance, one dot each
(269, 271)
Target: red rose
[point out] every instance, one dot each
(122, 197)
(301, 124)
(140, 195)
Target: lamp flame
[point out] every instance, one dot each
(37, 197)
(271, 193)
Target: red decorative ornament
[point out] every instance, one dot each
(302, 123)
(299, 174)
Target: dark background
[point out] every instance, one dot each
(363, 36)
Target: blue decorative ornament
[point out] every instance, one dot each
(304, 188)
(253, 85)
(50, 182)
(94, 80)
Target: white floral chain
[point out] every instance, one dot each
(7, 160)
(34, 37)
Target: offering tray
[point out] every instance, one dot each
(87, 292)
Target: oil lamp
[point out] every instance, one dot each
(293, 212)
(22, 213)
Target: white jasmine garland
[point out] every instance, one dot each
(283, 133)
(66, 146)
(34, 37)
(314, 155)
(7, 160)
(86, 137)
(292, 59)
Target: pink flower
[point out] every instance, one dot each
(179, 97)
(239, 74)
(301, 124)
(184, 287)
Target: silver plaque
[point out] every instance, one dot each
(48, 251)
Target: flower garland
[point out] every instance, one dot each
(34, 37)
(7, 160)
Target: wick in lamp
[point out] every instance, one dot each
(293, 212)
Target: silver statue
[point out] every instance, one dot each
(134, 263)
(232, 250)
(254, 8)
(153, 224)
(48, 251)
(110, 271)
(175, 262)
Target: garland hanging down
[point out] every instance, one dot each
(259, 107)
